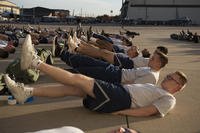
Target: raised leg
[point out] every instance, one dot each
(67, 78)
(57, 91)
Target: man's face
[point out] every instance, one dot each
(133, 51)
(154, 60)
(171, 81)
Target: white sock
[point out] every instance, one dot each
(36, 62)
(29, 91)
(92, 39)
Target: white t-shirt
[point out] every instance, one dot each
(140, 76)
(140, 61)
(116, 41)
(147, 94)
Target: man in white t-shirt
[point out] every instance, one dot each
(107, 72)
(100, 96)
(122, 60)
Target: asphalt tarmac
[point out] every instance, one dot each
(45, 113)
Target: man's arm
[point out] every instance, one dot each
(144, 111)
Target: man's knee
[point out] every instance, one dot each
(85, 83)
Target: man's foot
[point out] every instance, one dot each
(89, 33)
(18, 90)
(84, 38)
(76, 40)
(29, 57)
(72, 45)
(54, 46)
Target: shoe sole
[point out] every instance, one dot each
(54, 46)
(15, 92)
(27, 53)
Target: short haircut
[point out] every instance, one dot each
(162, 49)
(182, 77)
(137, 49)
(163, 58)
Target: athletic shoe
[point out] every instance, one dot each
(54, 46)
(18, 90)
(76, 40)
(84, 38)
(29, 57)
(27, 53)
(89, 33)
(72, 45)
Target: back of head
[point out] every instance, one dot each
(163, 58)
(162, 49)
(182, 78)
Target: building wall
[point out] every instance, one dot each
(186, 2)
(151, 1)
(8, 6)
(161, 13)
(136, 13)
(193, 13)
(141, 9)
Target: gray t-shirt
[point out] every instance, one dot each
(147, 94)
(139, 76)
(140, 61)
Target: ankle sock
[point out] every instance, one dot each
(36, 62)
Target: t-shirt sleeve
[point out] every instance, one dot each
(137, 76)
(165, 104)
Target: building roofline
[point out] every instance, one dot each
(45, 8)
(167, 6)
(9, 2)
(10, 6)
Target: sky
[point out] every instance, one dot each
(78, 7)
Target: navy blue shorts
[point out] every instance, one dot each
(117, 49)
(109, 98)
(78, 60)
(123, 61)
(110, 73)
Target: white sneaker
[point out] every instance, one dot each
(76, 40)
(54, 46)
(84, 38)
(18, 90)
(72, 45)
(28, 54)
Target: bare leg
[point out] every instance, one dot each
(22, 93)
(76, 80)
(96, 52)
(104, 45)
(58, 91)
